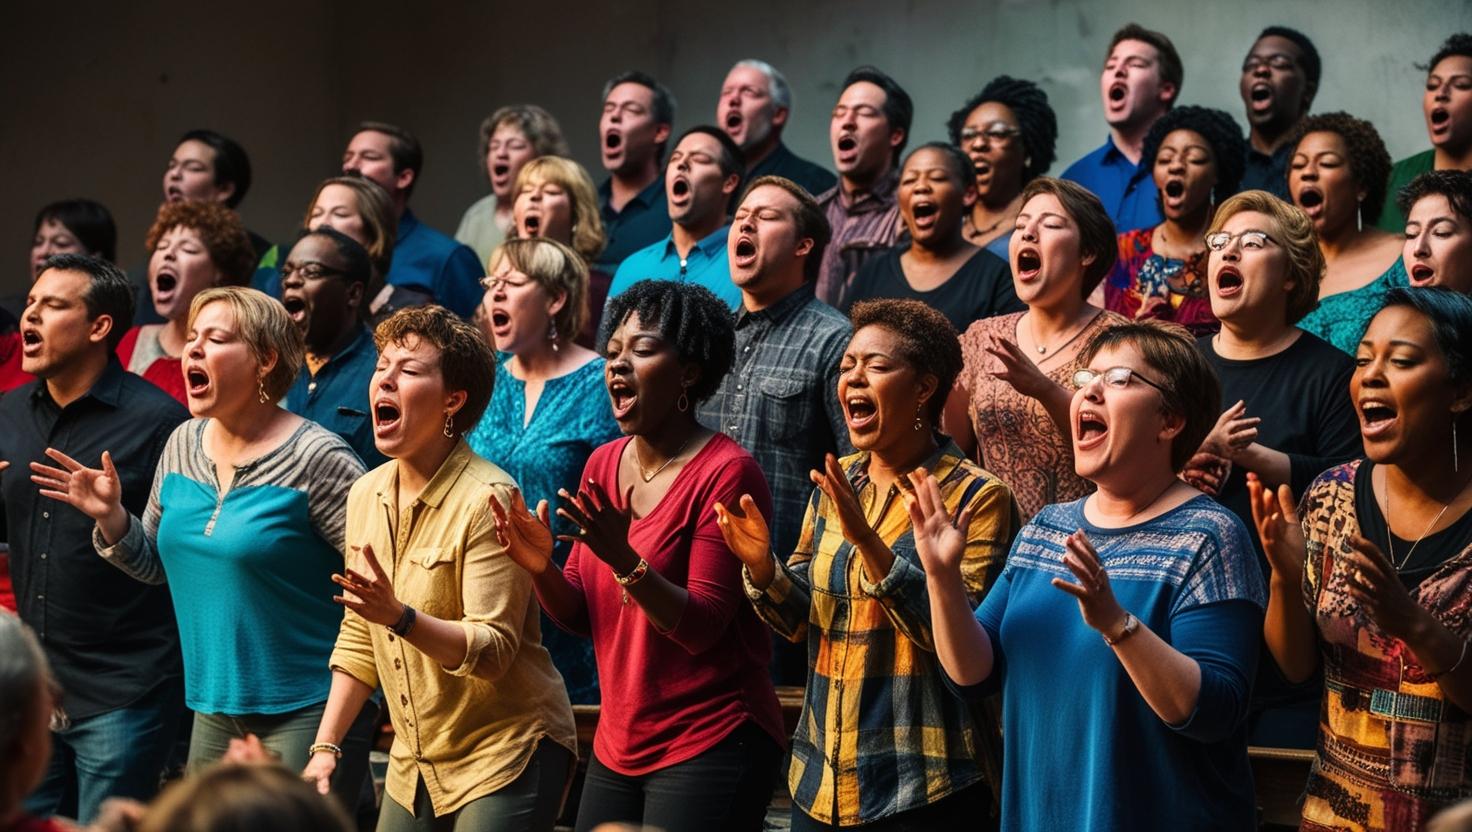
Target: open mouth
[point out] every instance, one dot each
(982, 166)
(164, 282)
(622, 396)
(613, 141)
(1029, 263)
(1228, 281)
(1311, 200)
(861, 412)
(196, 382)
(745, 251)
(296, 307)
(531, 224)
(386, 417)
(30, 342)
(173, 194)
(1261, 92)
(847, 143)
(500, 319)
(1376, 417)
(1090, 429)
(680, 188)
(500, 170)
(1117, 91)
(924, 214)
(1422, 275)
(733, 120)
(1440, 116)
(1175, 189)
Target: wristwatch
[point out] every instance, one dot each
(1131, 624)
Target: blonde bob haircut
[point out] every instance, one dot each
(1292, 230)
(265, 328)
(380, 225)
(558, 270)
(587, 221)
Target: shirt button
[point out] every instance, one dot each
(40, 596)
(739, 387)
(403, 700)
(746, 348)
(390, 636)
(46, 515)
(43, 556)
(397, 664)
(733, 428)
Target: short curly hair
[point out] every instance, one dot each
(928, 342)
(1221, 131)
(1295, 233)
(1455, 185)
(1035, 119)
(539, 126)
(466, 361)
(1369, 161)
(218, 227)
(689, 318)
(1457, 44)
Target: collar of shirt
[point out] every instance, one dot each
(643, 199)
(940, 463)
(877, 198)
(711, 246)
(781, 310)
(364, 337)
(408, 224)
(1114, 157)
(438, 486)
(107, 388)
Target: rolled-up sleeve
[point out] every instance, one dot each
(496, 597)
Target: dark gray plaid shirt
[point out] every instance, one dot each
(780, 400)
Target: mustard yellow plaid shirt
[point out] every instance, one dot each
(879, 732)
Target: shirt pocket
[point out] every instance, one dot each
(431, 581)
(784, 404)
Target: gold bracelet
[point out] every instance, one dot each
(634, 575)
(325, 746)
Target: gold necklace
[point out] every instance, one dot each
(1043, 348)
(1390, 536)
(649, 477)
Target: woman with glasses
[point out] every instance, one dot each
(1286, 416)
(1374, 585)
(1197, 157)
(1008, 130)
(549, 410)
(1133, 717)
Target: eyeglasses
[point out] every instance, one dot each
(1252, 240)
(308, 271)
(494, 284)
(998, 133)
(1277, 60)
(1116, 377)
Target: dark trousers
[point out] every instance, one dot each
(970, 808)
(726, 788)
(527, 804)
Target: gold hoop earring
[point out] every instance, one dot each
(682, 404)
(261, 388)
(449, 425)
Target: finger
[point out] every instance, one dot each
(4, 465)
(324, 785)
(373, 563)
(543, 513)
(55, 495)
(48, 482)
(572, 511)
(1080, 570)
(964, 521)
(518, 502)
(1078, 543)
(1071, 588)
(107, 466)
(723, 516)
(749, 507)
(596, 496)
(66, 462)
(497, 511)
(566, 513)
(356, 578)
(48, 471)
(1287, 504)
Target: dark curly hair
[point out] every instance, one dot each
(218, 227)
(1455, 185)
(1220, 130)
(1369, 161)
(1458, 44)
(689, 318)
(1035, 119)
(928, 342)
(466, 362)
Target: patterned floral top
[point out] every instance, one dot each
(1018, 440)
(1144, 284)
(1392, 751)
(1341, 318)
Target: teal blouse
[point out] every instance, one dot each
(1341, 319)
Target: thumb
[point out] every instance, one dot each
(107, 466)
(1287, 504)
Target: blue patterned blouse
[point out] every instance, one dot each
(543, 454)
(1341, 318)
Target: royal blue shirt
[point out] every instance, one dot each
(706, 264)
(643, 220)
(337, 396)
(427, 259)
(1126, 189)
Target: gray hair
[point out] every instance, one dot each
(776, 82)
(23, 672)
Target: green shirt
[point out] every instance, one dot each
(1391, 219)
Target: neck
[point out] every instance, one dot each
(627, 183)
(174, 335)
(941, 249)
(1130, 139)
(417, 468)
(758, 153)
(1267, 138)
(858, 182)
(71, 383)
(772, 288)
(401, 205)
(339, 341)
(1434, 480)
(1054, 319)
(668, 440)
(537, 362)
(1267, 333)
(688, 236)
(1129, 501)
(988, 211)
(888, 465)
(1188, 227)
(244, 426)
(1336, 242)
(1447, 158)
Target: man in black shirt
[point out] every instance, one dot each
(111, 641)
(755, 104)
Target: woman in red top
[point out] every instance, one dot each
(690, 734)
(193, 246)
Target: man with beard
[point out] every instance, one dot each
(638, 116)
(1279, 78)
(755, 104)
(322, 285)
(1140, 82)
(703, 173)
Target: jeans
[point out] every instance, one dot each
(120, 753)
(969, 808)
(527, 804)
(727, 787)
(288, 736)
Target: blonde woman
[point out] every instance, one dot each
(510, 137)
(353, 206)
(556, 200)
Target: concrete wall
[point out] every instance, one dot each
(95, 94)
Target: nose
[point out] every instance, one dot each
(1122, 70)
(1262, 70)
(1233, 252)
(1094, 390)
(1444, 92)
(746, 225)
(1176, 165)
(1310, 171)
(1422, 244)
(291, 278)
(195, 348)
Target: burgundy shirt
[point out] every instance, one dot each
(669, 696)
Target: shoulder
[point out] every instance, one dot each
(822, 320)
(979, 332)
(985, 264)
(1413, 165)
(1087, 164)
(1337, 479)
(1319, 357)
(315, 445)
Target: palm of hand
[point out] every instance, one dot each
(939, 544)
(94, 491)
(748, 537)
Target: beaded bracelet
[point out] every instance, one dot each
(325, 746)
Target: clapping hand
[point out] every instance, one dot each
(1278, 528)
(603, 528)
(1375, 584)
(940, 543)
(1095, 597)
(840, 492)
(747, 536)
(374, 600)
(1233, 432)
(1207, 471)
(527, 538)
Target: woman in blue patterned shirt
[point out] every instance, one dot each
(1136, 719)
(549, 408)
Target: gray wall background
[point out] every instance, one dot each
(95, 94)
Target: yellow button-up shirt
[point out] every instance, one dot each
(471, 730)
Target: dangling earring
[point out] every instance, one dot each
(261, 388)
(1359, 219)
(1456, 467)
(919, 425)
(552, 333)
(449, 425)
(682, 404)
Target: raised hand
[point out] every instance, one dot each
(747, 536)
(1233, 432)
(1096, 602)
(96, 492)
(1373, 582)
(940, 543)
(1017, 369)
(1278, 528)
(839, 491)
(374, 600)
(527, 538)
(1207, 471)
(603, 528)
